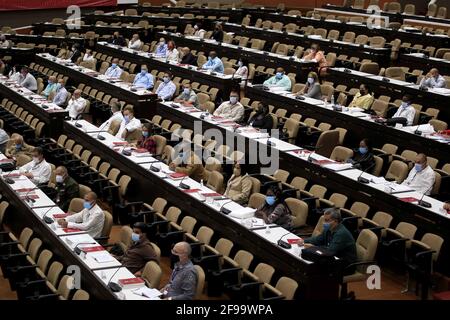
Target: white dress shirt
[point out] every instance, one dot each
(135, 45)
(113, 72)
(41, 171)
(14, 76)
(117, 116)
(88, 57)
(29, 82)
(132, 125)
(76, 107)
(422, 181)
(229, 111)
(172, 55)
(406, 112)
(433, 82)
(89, 220)
(200, 33)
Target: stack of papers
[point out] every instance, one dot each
(148, 292)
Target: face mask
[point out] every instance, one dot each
(270, 200)
(58, 86)
(237, 172)
(126, 118)
(186, 91)
(279, 75)
(50, 82)
(326, 226)
(210, 58)
(59, 179)
(134, 237)
(166, 79)
(144, 72)
(240, 64)
(310, 80)
(145, 134)
(87, 205)
(36, 160)
(161, 43)
(404, 105)
(233, 100)
(195, 27)
(18, 146)
(114, 65)
(362, 150)
(418, 167)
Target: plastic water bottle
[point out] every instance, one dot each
(267, 229)
(201, 183)
(332, 100)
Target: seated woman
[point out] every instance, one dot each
(147, 142)
(316, 54)
(275, 210)
(239, 186)
(261, 119)
(312, 88)
(363, 157)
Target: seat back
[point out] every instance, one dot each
(224, 246)
(398, 170)
(383, 219)
(366, 245)
(80, 294)
(256, 200)
(65, 286)
(299, 211)
(287, 287)
(204, 234)
(327, 141)
(243, 259)
(264, 272)
(107, 224)
(152, 274)
(200, 282)
(434, 242)
(341, 154)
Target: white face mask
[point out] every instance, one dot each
(310, 80)
(240, 63)
(233, 100)
(186, 91)
(36, 159)
(59, 179)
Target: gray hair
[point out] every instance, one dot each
(334, 213)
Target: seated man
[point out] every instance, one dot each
(116, 116)
(433, 80)
(140, 252)
(161, 48)
(188, 162)
(421, 178)
(51, 86)
(279, 80)
(405, 113)
(128, 125)
(66, 188)
(135, 43)
(187, 97)
(75, 53)
(183, 281)
(61, 94)
(118, 40)
(232, 110)
(38, 171)
(143, 79)
(188, 57)
(91, 219)
(4, 43)
(167, 88)
(19, 147)
(335, 238)
(114, 71)
(363, 99)
(76, 105)
(27, 80)
(214, 63)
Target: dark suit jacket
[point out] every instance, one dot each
(189, 59)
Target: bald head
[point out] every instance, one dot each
(18, 139)
(77, 93)
(182, 249)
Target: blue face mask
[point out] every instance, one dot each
(363, 150)
(135, 237)
(144, 72)
(326, 226)
(418, 167)
(87, 205)
(270, 200)
(279, 75)
(114, 65)
(50, 82)
(126, 118)
(404, 105)
(18, 146)
(145, 134)
(166, 79)
(58, 86)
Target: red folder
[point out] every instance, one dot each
(30, 196)
(130, 281)
(211, 194)
(177, 175)
(6, 161)
(191, 190)
(120, 143)
(71, 230)
(324, 161)
(60, 215)
(409, 199)
(92, 249)
(141, 150)
(24, 190)
(292, 241)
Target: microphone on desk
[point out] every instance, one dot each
(76, 124)
(183, 185)
(99, 137)
(154, 169)
(46, 219)
(362, 179)
(223, 209)
(7, 178)
(282, 243)
(26, 195)
(114, 287)
(423, 203)
(77, 249)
